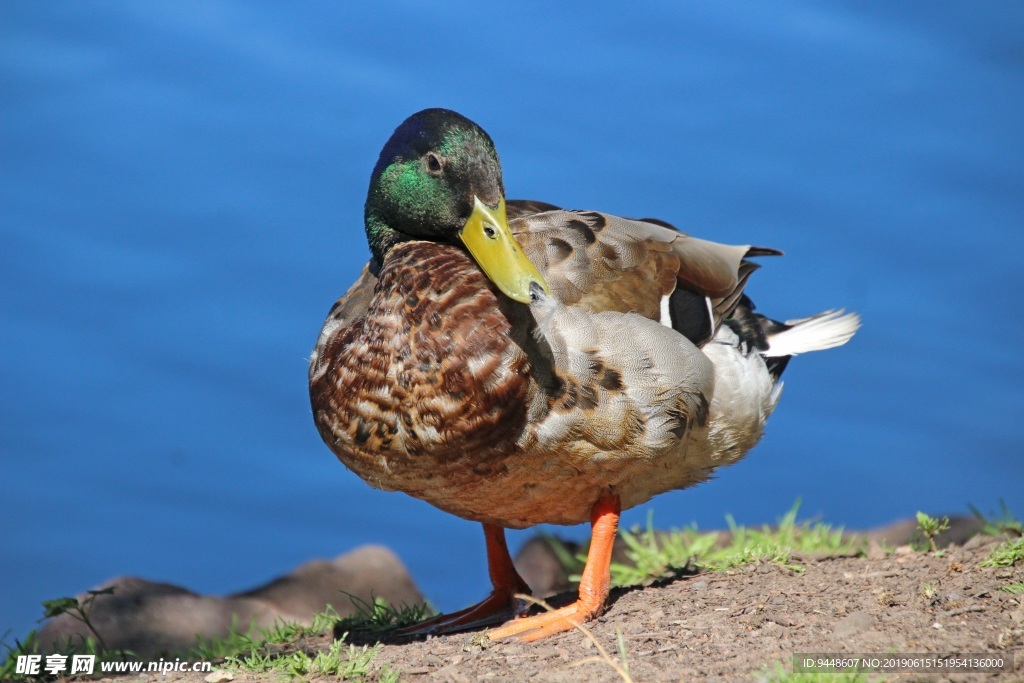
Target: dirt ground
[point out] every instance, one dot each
(736, 625)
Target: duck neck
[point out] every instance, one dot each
(380, 235)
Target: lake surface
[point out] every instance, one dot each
(181, 192)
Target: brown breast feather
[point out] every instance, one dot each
(428, 383)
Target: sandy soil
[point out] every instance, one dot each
(737, 625)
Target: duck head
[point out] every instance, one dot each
(438, 179)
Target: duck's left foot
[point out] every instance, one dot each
(594, 584)
(501, 605)
(497, 607)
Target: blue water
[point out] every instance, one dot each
(181, 189)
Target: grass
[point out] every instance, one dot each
(659, 555)
(238, 641)
(277, 649)
(346, 662)
(1009, 552)
(379, 616)
(30, 646)
(930, 527)
(216, 649)
(1003, 523)
(77, 610)
(654, 556)
(90, 645)
(1006, 554)
(780, 674)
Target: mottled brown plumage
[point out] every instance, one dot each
(568, 365)
(429, 381)
(425, 389)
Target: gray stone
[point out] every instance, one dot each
(366, 572)
(541, 567)
(153, 619)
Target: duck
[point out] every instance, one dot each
(515, 363)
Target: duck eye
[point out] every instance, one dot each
(433, 163)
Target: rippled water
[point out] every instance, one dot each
(182, 189)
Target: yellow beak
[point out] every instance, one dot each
(490, 242)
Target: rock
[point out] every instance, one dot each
(153, 619)
(366, 572)
(977, 541)
(541, 566)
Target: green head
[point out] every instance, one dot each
(438, 179)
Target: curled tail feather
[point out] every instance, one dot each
(825, 330)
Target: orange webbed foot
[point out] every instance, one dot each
(543, 625)
(594, 585)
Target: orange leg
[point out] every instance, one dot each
(594, 585)
(499, 606)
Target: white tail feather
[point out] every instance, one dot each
(823, 331)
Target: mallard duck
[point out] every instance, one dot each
(515, 363)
